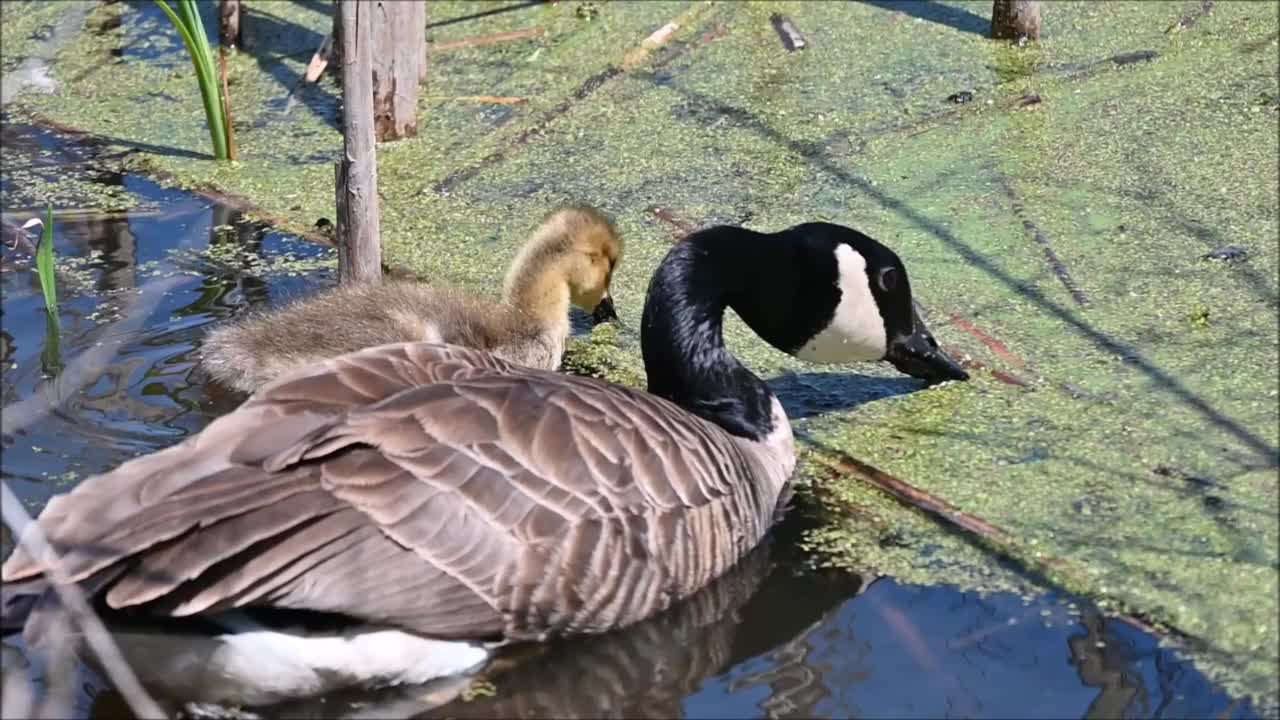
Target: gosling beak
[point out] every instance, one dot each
(918, 355)
(604, 312)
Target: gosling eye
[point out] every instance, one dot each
(888, 279)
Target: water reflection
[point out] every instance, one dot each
(647, 671)
(769, 640)
(208, 265)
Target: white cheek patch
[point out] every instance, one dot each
(856, 332)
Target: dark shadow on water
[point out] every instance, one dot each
(1157, 199)
(154, 149)
(483, 13)
(322, 7)
(805, 395)
(269, 39)
(1128, 353)
(935, 12)
(14, 135)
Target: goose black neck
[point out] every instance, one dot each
(681, 333)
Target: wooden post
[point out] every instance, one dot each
(422, 65)
(358, 234)
(1015, 19)
(400, 43)
(229, 23)
(335, 50)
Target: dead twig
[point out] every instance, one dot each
(656, 39)
(1002, 376)
(913, 496)
(908, 634)
(80, 214)
(1187, 21)
(99, 640)
(1055, 263)
(489, 99)
(791, 38)
(996, 628)
(630, 61)
(987, 534)
(992, 343)
(679, 225)
(320, 60)
(226, 104)
(486, 40)
(997, 347)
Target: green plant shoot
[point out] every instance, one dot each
(44, 265)
(51, 355)
(191, 27)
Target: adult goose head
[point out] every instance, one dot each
(393, 515)
(820, 291)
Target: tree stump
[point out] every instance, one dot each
(358, 233)
(400, 42)
(1015, 20)
(229, 23)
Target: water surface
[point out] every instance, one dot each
(771, 639)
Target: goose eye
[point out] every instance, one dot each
(889, 279)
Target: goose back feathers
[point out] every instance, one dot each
(468, 500)
(436, 489)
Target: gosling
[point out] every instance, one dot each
(569, 259)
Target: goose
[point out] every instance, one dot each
(398, 514)
(569, 259)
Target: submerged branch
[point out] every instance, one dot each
(484, 40)
(99, 640)
(1057, 570)
(486, 99)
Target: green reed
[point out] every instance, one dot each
(51, 356)
(187, 19)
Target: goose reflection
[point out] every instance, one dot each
(645, 671)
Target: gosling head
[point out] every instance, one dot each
(597, 250)
(849, 300)
(577, 247)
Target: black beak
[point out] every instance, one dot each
(918, 355)
(604, 312)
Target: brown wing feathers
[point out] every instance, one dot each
(438, 489)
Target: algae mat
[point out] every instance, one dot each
(1091, 221)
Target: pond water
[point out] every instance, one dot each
(138, 290)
